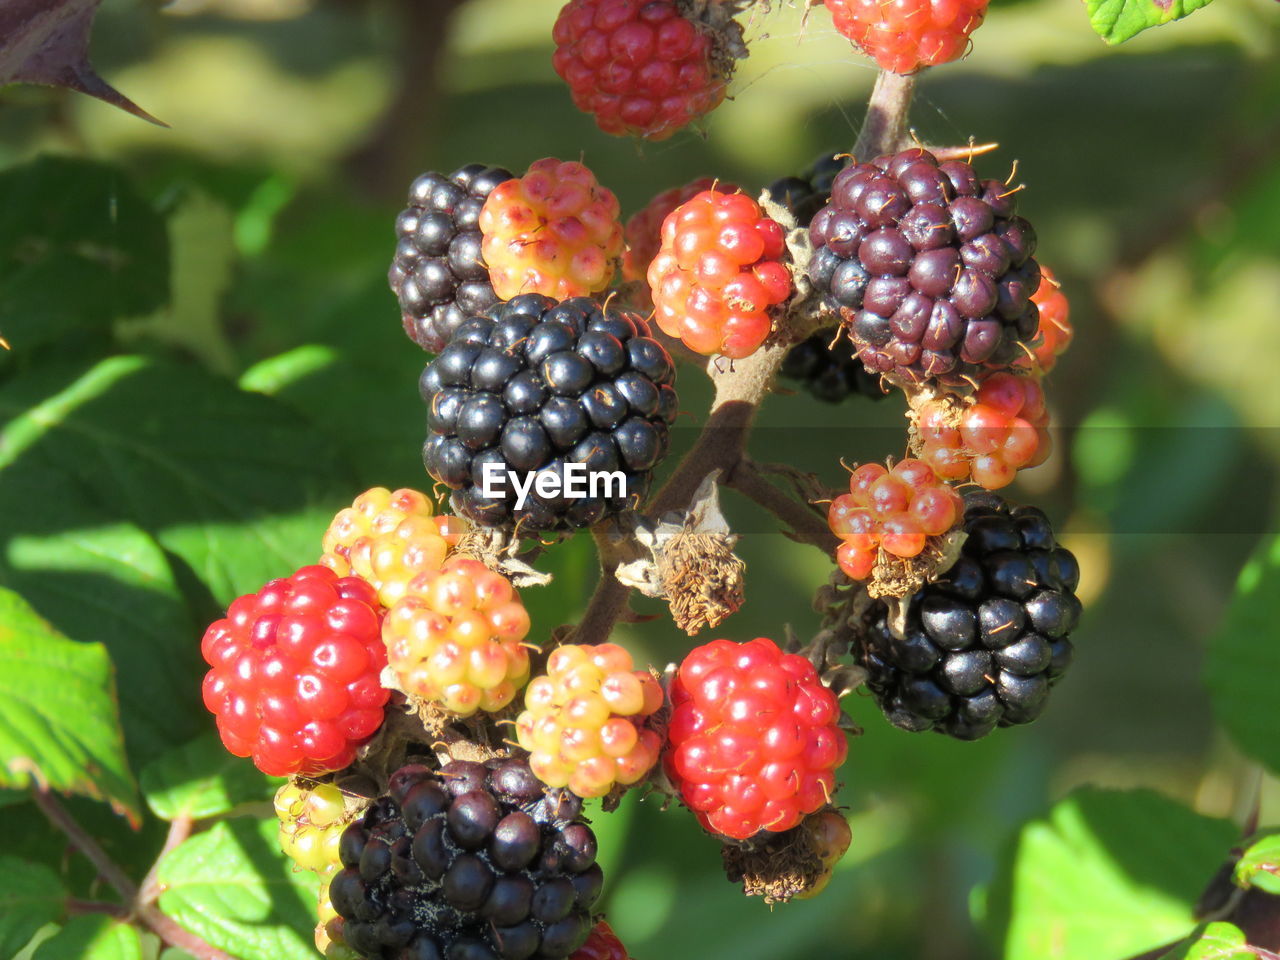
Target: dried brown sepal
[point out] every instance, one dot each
(499, 550)
(686, 558)
(897, 577)
(951, 409)
(715, 18)
(783, 866)
(807, 310)
(703, 580)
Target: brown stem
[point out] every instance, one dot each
(807, 526)
(149, 891)
(76, 906)
(885, 127)
(176, 935)
(107, 868)
(170, 931)
(741, 385)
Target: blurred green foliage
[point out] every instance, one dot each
(275, 384)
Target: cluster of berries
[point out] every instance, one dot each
(648, 68)
(446, 857)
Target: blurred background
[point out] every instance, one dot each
(1153, 180)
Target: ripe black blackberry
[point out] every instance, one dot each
(930, 267)
(438, 273)
(474, 862)
(808, 193)
(535, 385)
(984, 642)
(830, 371)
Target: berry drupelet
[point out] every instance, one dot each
(438, 273)
(985, 641)
(535, 385)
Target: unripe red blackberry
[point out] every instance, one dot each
(1055, 333)
(930, 267)
(753, 741)
(554, 231)
(909, 34)
(438, 273)
(985, 641)
(536, 388)
(645, 67)
(473, 862)
(294, 678)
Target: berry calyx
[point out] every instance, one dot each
(642, 67)
(930, 268)
(602, 944)
(438, 273)
(896, 510)
(988, 437)
(554, 231)
(456, 638)
(720, 275)
(753, 741)
(1055, 332)
(294, 679)
(584, 721)
(474, 861)
(388, 538)
(909, 34)
(983, 643)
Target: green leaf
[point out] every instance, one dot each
(1260, 865)
(1119, 20)
(59, 725)
(63, 218)
(31, 895)
(113, 583)
(200, 779)
(1213, 941)
(1105, 874)
(1243, 660)
(229, 481)
(92, 937)
(233, 887)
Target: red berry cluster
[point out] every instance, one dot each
(639, 66)
(753, 740)
(294, 678)
(909, 34)
(719, 275)
(896, 510)
(990, 436)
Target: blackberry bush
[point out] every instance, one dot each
(535, 386)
